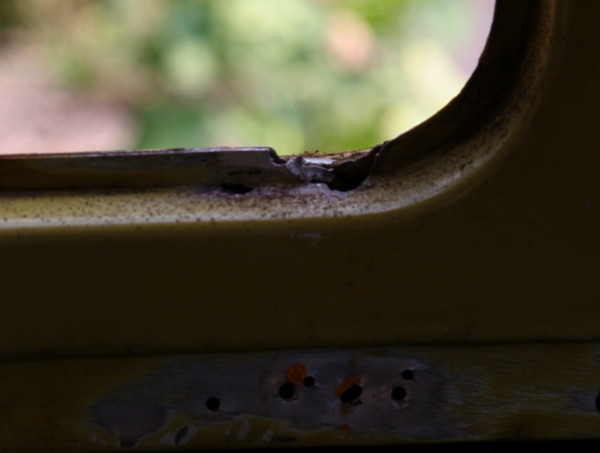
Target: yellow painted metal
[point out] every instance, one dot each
(479, 226)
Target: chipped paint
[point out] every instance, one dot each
(475, 272)
(130, 421)
(305, 390)
(182, 436)
(482, 392)
(430, 165)
(267, 436)
(167, 167)
(310, 170)
(244, 430)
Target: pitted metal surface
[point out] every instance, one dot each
(369, 392)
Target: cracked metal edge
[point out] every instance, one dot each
(252, 166)
(436, 162)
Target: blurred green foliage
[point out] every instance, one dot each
(293, 74)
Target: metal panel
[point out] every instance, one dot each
(413, 394)
(479, 226)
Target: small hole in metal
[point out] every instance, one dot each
(287, 390)
(598, 402)
(407, 375)
(213, 404)
(399, 393)
(351, 394)
(309, 381)
(236, 189)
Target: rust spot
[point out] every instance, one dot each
(345, 427)
(296, 374)
(307, 390)
(346, 384)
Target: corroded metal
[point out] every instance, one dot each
(114, 291)
(302, 398)
(348, 391)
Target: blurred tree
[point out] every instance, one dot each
(296, 74)
(9, 15)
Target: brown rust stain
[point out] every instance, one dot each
(296, 373)
(345, 427)
(346, 384)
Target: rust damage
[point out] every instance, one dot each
(343, 171)
(295, 392)
(236, 170)
(432, 165)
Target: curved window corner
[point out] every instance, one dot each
(337, 76)
(231, 183)
(441, 286)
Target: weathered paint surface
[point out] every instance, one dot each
(208, 167)
(303, 398)
(478, 227)
(304, 391)
(438, 161)
(460, 245)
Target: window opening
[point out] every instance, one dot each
(299, 75)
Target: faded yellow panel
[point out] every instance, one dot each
(478, 227)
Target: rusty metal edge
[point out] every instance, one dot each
(505, 69)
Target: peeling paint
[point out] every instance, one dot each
(130, 421)
(180, 437)
(207, 167)
(244, 430)
(307, 390)
(308, 170)
(267, 436)
(430, 393)
(436, 162)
